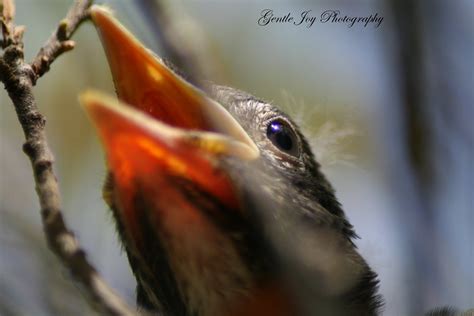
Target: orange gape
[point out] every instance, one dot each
(158, 92)
(140, 159)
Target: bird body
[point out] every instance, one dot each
(218, 200)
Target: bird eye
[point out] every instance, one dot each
(282, 135)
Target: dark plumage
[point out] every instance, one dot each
(278, 190)
(292, 203)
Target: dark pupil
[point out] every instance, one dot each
(281, 135)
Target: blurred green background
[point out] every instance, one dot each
(341, 84)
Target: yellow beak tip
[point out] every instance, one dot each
(100, 11)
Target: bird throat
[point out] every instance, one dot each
(188, 257)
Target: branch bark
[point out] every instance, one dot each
(60, 42)
(19, 78)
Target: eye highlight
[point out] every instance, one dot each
(283, 137)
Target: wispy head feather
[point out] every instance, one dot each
(328, 139)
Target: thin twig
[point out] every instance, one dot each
(10, 34)
(60, 42)
(19, 78)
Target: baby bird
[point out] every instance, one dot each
(219, 202)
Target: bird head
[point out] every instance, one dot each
(219, 202)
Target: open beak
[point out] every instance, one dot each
(160, 128)
(159, 108)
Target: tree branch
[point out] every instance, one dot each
(60, 42)
(18, 78)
